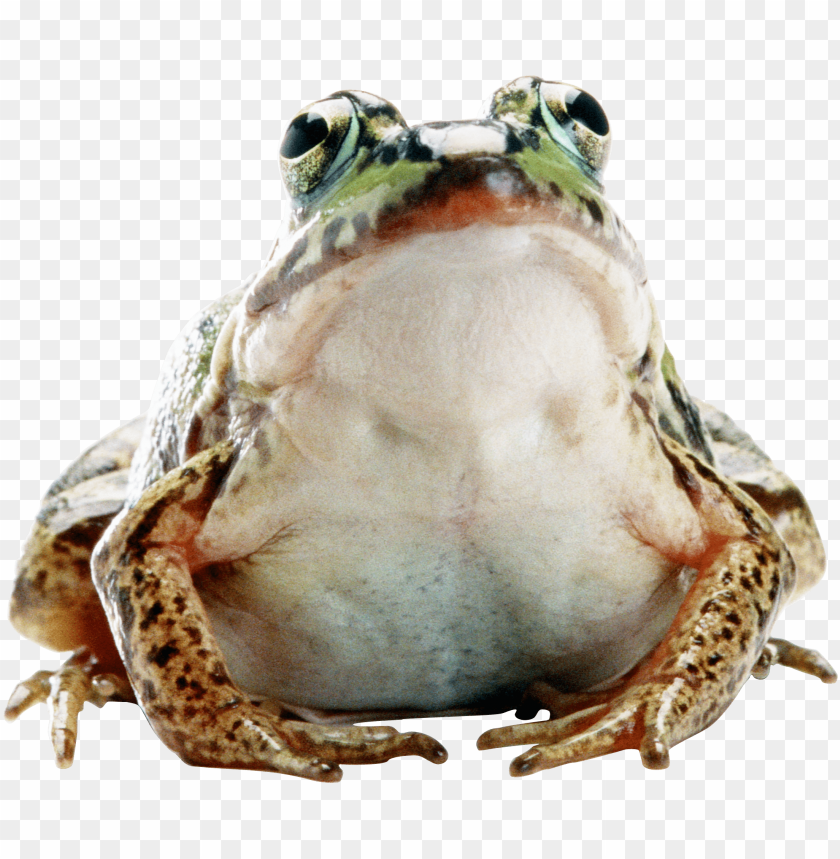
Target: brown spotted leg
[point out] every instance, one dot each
(177, 670)
(67, 690)
(720, 633)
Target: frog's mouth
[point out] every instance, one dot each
(458, 192)
(470, 190)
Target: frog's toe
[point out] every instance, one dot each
(643, 718)
(551, 730)
(27, 694)
(244, 737)
(67, 690)
(352, 744)
(777, 651)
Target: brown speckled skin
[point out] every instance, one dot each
(124, 598)
(142, 572)
(686, 683)
(54, 601)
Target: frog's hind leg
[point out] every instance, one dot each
(718, 638)
(749, 467)
(142, 569)
(54, 601)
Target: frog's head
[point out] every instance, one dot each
(360, 179)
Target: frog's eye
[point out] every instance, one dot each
(586, 111)
(328, 136)
(306, 132)
(575, 119)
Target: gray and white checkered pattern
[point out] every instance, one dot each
(139, 181)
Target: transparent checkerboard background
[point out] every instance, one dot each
(139, 182)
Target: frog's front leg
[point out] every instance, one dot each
(178, 672)
(719, 636)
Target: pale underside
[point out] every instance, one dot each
(445, 490)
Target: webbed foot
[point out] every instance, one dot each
(67, 690)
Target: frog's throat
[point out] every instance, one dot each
(484, 190)
(544, 260)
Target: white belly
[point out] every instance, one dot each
(456, 497)
(391, 615)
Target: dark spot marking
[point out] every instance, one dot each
(555, 189)
(164, 654)
(167, 711)
(644, 365)
(594, 210)
(86, 534)
(756, 574)
(746, 584)
(698, 640)
(726, 632)
(149, 691)
(279, 289)
(152, 615)
(714, 659)
(330, 235)
(198, 691)
(513, 141)
(218, 674)
(692, 425)
(734, 618)
(387, 153)
(411, 149)
(181, 683)
(125, 607)
(727, 577)
(692, 669)
(361, 224)
(762, 559)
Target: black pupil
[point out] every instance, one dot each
(305, 133)
(585, 110)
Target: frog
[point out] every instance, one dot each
(433, 459)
